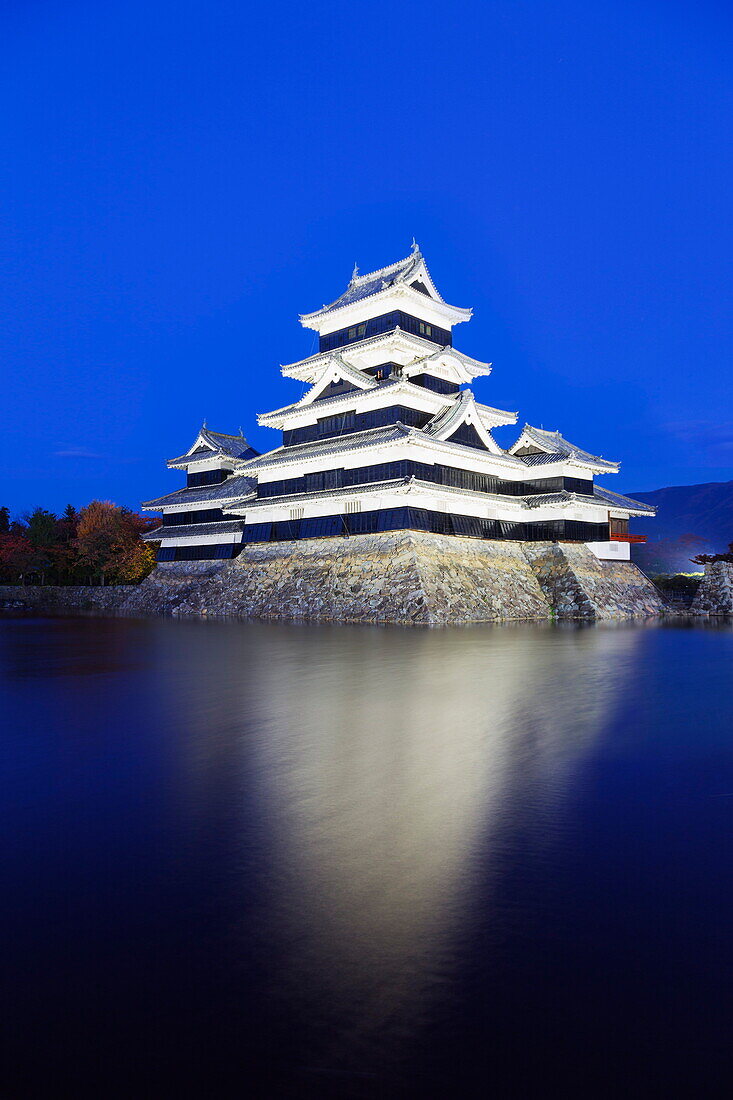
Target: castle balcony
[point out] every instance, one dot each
(626, 537)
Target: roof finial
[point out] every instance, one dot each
(355, 272)
(241, 432)
(204, 423)
(415, 245)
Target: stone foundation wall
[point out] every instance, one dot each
(578, 585)
(405, 577)
(58, 600)
(715, 594)
(159, 594)
(397, 577)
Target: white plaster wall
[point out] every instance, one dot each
(611, 551)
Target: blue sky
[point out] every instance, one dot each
(181, 180)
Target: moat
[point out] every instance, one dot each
(367, 861)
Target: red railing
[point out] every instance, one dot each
(627, 538)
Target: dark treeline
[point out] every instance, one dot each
(100, 544)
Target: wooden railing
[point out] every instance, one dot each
(627, 538)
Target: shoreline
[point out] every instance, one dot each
(408, 578)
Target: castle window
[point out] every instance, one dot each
(376, 326)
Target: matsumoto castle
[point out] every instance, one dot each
(389, 436)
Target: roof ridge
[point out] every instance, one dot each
(368, 275)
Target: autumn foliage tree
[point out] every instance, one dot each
(108, 542)
(101, 544)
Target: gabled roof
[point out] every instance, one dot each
(624, 504)
(403, 273)
(234, 488)
(337, 368)
(463, 411)
(466, 367)
(210, 444)
(395, 343)
(600, 496)
(553, 443)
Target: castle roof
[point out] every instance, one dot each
(352, 441)
(396, 345)
(411, 272)
(194, 530)
(553, 443)
(626, 504)
(465, 411)
(210, 444)
(234, 488)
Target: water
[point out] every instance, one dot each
(369, 862)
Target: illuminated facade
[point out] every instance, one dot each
(387, 436)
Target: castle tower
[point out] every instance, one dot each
(388, 436)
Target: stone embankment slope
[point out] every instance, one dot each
(395, 577)
(579, 586)
(715, 594)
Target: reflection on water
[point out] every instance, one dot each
(387, 776)
(359, 861)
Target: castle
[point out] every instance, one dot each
(389, 436)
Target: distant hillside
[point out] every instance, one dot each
(702, 511)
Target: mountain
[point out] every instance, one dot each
(691, 519)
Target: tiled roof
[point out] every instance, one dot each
(344, 490)
(384, 338)
(419, 364)
(233, 488)
(234, 445)
(624, 503)
(600, 496)
(556, 443)
(540, 459)
(452, 414)
(223, 527)
(380, 486)
(534, 500)
(219, 446)
(363, 286)
(371, 437)
(356, 375)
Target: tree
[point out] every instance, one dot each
(135, 561)
(101, 543)
(42, 533)
(70, 516)
(18, 556)
(41, 527)
(66, 565)
(108, 542)
(98, 533)
(704, 559)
